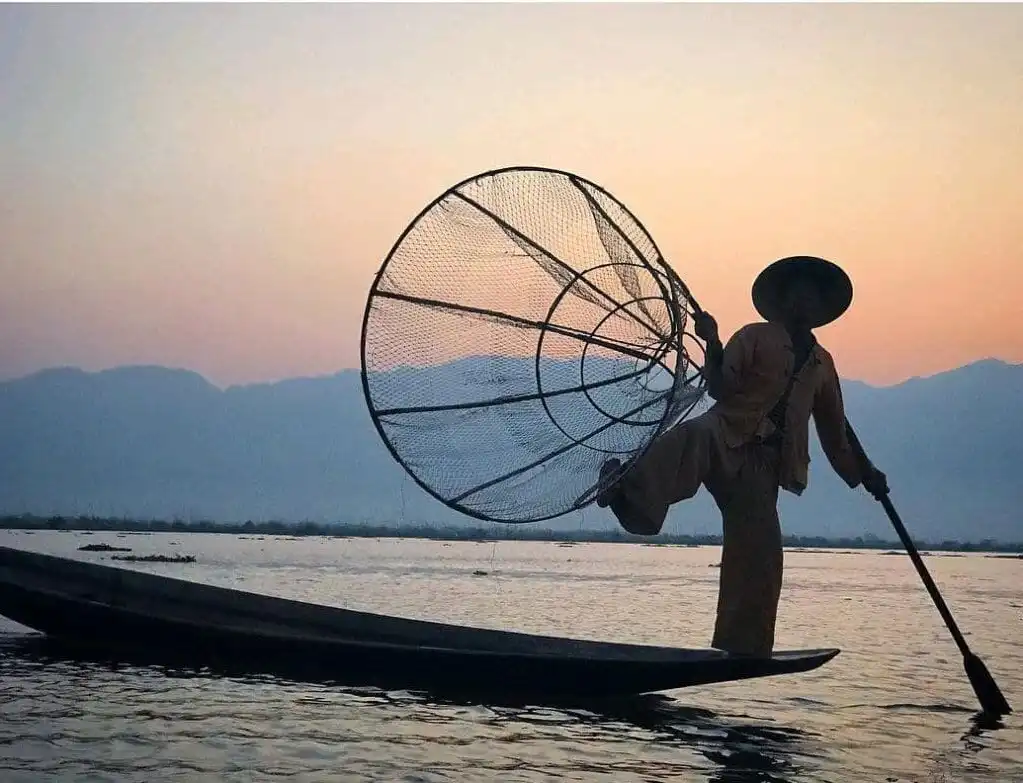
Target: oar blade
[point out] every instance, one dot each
(991, 699)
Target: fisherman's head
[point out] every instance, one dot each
(800, 300)
(802, 292)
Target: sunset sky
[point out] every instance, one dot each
(213, 187)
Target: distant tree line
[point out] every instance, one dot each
(433, 532)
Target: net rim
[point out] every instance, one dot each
(374, 292)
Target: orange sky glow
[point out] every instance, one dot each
(214, 187)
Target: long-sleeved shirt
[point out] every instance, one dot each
(756, 365)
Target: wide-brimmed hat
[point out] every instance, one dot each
(832, 282)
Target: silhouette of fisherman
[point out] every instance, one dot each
(766, 382)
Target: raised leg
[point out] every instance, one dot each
(671, 470)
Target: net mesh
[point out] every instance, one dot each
(523, 329)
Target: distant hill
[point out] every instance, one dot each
(153, 442)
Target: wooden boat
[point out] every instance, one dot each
(122, 611)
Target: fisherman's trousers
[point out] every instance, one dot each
(744, 483)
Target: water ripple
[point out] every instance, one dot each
(894, 706)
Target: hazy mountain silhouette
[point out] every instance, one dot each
(152, 442)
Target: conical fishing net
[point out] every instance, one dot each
(523, 329)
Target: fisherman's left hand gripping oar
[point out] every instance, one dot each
(990, 697)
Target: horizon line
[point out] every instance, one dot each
(344, 370)
(494, 531)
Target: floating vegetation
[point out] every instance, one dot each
(103, 548)
(922, 554)
(155, 558)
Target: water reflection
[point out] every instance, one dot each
(982, 724)
(735, 749)
(742, 752)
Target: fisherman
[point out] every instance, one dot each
(766, 383)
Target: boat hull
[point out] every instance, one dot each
(116, 610)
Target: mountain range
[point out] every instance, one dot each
(161, 443)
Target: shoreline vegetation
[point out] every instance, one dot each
(28, 522)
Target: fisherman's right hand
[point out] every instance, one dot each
(705, 326)
(875, 482)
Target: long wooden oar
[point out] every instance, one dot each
(991, 699)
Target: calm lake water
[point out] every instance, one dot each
(894, 706)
